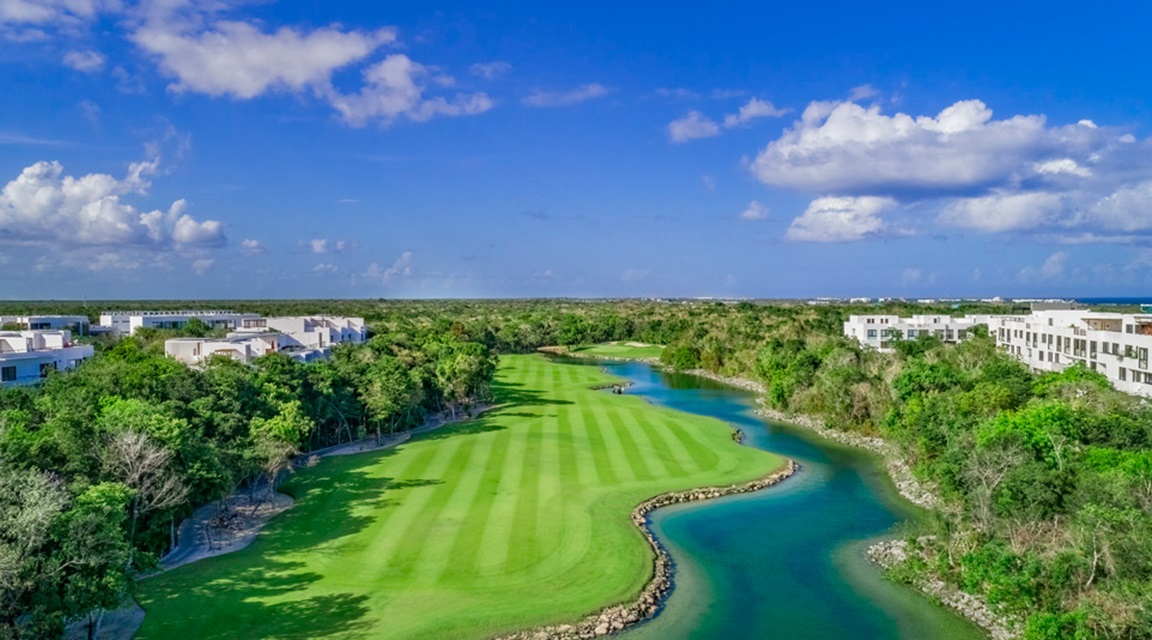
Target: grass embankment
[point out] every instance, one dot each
(517, 519)
(625, 350)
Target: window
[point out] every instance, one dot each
(7, 374)
(871, 333)
(47, 367)
(1123, 374)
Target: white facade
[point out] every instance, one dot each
(880, 332)
(78, 325)
(242, 348)
(26, 357)
(309, 338)
(1116, 345)
(319, 332)
(127, 322)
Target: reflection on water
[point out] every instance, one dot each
(787, 562)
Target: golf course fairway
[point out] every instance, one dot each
(513, 520)
(625, 350)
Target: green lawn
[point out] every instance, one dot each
(620, 350)
(517, 519)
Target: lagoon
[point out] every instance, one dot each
(787, 562)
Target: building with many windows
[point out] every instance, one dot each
(128, 322)
(244, 347)
(1116, 345)
(881, 332)
(26, 357)
(78, 325)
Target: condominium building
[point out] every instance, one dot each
(1113, 344)
(78, 325)
(26, 357)
(128, 322)
(304, 338)
(881, 332)
(240, 347)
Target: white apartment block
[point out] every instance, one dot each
(882, 332)
(26, 357)
(1114, 344)
(240, 347)
(78, 325)
(127, 322)
(304, 338)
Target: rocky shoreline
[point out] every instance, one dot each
(910, 488)
(619, 617)
(893, 553)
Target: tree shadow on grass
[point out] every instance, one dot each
(235, 605)
(515, 394)
(228, 596)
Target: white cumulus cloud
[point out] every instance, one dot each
(754, 211)
(696, 125)
(755, 108)
(401, 268)
(43, 205)
(840, 219)
(844, 147)
(395, 88)
(1004, 211)
(239, 60)
(251, 247)
(693, 126)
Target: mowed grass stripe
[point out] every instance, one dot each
(587, 474)
(642, 434)
(522, 543)
(680, 438)
(625, 428)
(449, 522)
(676, 462)
(492, 552)
(550, 493)
(411, 529)
(614, 449)
(514, 521)
(601, 457)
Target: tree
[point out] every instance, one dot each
(93, 552)
(277, 439)
(138, 461)
(30, 502)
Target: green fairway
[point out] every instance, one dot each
(630, 350)
(516, 519)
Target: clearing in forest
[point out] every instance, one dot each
(517, 519)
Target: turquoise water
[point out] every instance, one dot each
(787, 562)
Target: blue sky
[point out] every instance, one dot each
(316, 149)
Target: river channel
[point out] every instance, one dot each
(787, 562)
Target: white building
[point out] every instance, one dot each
(880, 332)
(26, 357)
(78, 325)
(1114, 344)
(242, 348)
(127, 322)
(310, 338)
